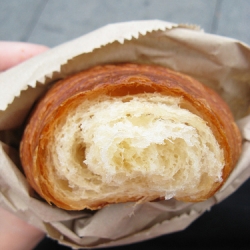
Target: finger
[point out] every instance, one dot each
(13, 53)
(17, 234)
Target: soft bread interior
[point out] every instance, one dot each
(142, 146)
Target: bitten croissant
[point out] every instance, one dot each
(128, 132)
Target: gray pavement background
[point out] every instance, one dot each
(51, 22)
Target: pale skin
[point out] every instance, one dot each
(15, 234)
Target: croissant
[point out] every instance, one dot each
(128, 132)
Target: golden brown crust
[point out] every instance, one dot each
(120, 80)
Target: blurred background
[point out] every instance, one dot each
(52, 22)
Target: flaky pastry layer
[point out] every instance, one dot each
(119, 133)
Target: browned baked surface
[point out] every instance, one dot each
(121, 80)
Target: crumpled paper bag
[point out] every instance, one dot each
(219, 62)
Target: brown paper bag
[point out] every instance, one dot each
(221, 63)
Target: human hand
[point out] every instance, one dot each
(16, 234)
(13, 53)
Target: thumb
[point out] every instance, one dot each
(13, 53)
